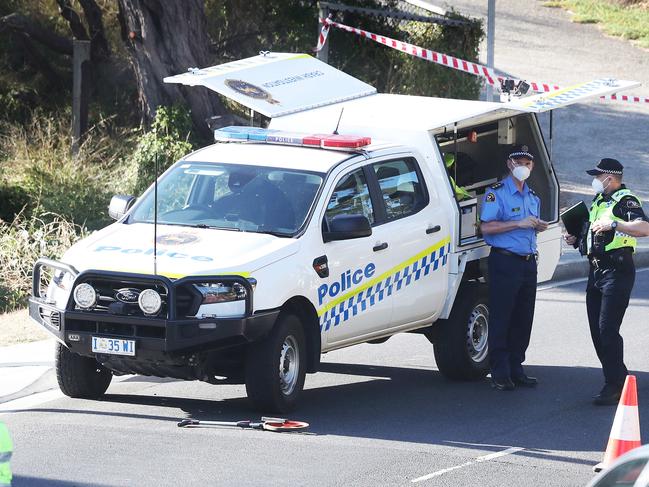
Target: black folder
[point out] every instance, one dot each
(574, 218)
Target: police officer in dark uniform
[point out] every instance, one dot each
(510, 220)
(609, 239)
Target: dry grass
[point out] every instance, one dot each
(628, 19)
(17, 327)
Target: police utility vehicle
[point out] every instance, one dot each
(257, 254)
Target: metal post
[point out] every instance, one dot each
(323, 54)
(80, 91)
(491, 34)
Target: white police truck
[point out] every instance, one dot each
(336, 225)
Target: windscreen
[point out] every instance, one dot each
(232, 197)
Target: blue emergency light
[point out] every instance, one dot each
(235, 133)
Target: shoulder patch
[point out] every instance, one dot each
(491, 197)
(631, 202)
(496, 185)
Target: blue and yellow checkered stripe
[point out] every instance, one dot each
(361, 299)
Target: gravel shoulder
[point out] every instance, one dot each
(16, 327)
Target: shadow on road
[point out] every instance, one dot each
(420, 406)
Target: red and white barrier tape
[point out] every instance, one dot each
(324, 32)
(475, 69)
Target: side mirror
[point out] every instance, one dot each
(345, 227)
(119, 205)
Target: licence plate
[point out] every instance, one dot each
(114, 346)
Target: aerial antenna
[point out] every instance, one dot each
(155, 205)
(339, 118)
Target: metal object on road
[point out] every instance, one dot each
(268, 424)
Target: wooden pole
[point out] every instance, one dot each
(80, 91)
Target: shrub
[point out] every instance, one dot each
(167, 141)
(22, 243)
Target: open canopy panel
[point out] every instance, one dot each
(571, 94)
(276, 84)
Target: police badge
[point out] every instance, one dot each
(250, 90)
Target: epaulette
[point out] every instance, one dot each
(532, 191)
(496, 185)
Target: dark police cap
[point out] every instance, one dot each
(521, 151)
(607, 166)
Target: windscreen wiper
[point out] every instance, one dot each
(214, 227)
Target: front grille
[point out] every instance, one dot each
(116, 329)
(111, 296)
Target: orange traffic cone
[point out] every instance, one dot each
(625, 433)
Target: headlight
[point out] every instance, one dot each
(85, 296)
(150, 301)
(219, 292)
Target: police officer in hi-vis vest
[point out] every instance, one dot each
(510, 220)
(609, 240)
(6, 448)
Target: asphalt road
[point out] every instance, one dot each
(379, 414)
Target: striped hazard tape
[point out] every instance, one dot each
(488, 74)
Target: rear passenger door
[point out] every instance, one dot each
(419, 239)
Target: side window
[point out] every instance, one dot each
(402, 191)
(351, 197)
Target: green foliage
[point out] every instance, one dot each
(21, 243)
(38, 170)
(13, 200)
(628, 19)
(167, 142)
(241, 29)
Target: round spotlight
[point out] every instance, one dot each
(150, 301)
(85, 296)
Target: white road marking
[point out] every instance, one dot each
(499, 454)
(484, 458)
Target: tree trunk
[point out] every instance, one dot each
(165, 38)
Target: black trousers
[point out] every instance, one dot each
(607, 297)
(512, 296)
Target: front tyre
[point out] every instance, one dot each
(276, 367)
(79, 376)
(461, 350)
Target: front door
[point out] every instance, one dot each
(355, 301)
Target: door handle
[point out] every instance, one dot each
(382, 246)
(434, 229)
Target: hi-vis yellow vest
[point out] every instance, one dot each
(6, 448)
(604, 209)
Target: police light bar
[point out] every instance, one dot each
(254, 134)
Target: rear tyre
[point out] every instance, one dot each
(78, 376)
(461, 350)
(276, 367)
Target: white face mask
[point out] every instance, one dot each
(598, 186)
(521, 172)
